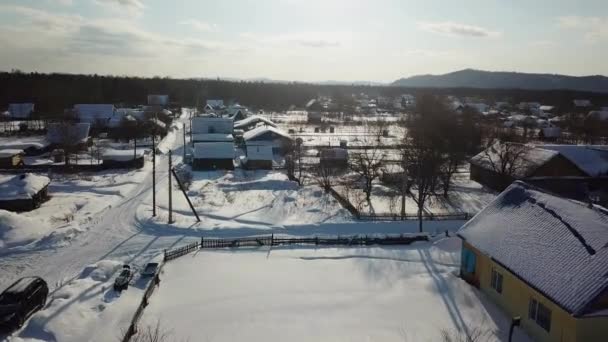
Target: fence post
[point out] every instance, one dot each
(164, 255)
(201, 242)
(272, 239)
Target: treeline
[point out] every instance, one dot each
(55, 92)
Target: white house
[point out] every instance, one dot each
(268, 136)
(94, 113)
(20, 110)
(259, 157)
(213, 156)
(209, 129)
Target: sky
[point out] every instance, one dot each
(303, 40)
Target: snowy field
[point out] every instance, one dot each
(406, 293)
(465, 196)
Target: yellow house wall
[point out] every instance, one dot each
(515, 299)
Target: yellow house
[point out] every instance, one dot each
(542, 258)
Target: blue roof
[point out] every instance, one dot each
(558, 246)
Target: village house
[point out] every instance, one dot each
(23, 192)
(544, 259)
(72, 134)
(209, 129)
(11, 158)
(20, 110)
(213, 156)
(214, 106)
(94, 114)
(269, 136)
(258, 158)
(581, 103)
(502, 163)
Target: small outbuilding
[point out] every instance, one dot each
(123, 159)
(213, 156)
(11, 158)
(259, 158)
(23, 192)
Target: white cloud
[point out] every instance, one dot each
(456, 29)
(594, 29)
(126, 3)
(200, 25)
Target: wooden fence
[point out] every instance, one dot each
(271, 240)
(425, 216)
(132, 329)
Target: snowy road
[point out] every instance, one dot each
(115, 233)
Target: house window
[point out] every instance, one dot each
(540, 314)
(496, 281)
(468, 261)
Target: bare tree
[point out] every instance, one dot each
(152, 333)
(66, 135)
(367, 164)
(504, 158)
(325, 177)
(477, 334)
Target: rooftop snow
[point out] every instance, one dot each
(7, 153)
(56, 133)
(592, 159)
(205, 125)
(556, 245)
(122, 155)
(530, 160)
(94, 112)
(21, 186)
(259, 153)
(253, 120)
(258, 131)
(20, 110)
(214, 150)
(212, 137)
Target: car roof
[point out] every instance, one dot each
(21, 285)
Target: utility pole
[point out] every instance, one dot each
(170, 192)
(153, 175)
(184, 148)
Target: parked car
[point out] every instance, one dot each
(122, 281)
(150, 270)
(21, 300)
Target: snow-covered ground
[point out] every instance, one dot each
(406, 293)
(465, 196)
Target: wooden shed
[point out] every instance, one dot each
(213, 156)
(23, 192)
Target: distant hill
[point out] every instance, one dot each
(470, 78)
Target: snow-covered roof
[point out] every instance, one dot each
(215, 103)
(122, 155)
(259, 153)
(92, 113)
(20, 110)
(530, 159)
(158, 123)
(212, 125)
(591, 159)
(214, 150)
(253, 120)
(259, 131)
(582, 103)
(9, 152)
(546, 108)
(21, 186)
(158, 100)
(78, 132)
(215, 137)
(556, 245)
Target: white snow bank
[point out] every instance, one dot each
(22, 186)
(17, 229)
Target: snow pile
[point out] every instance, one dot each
(9, 152)
(16, 229)
(450, 245)
(21, 187)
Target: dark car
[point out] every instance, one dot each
(150, 270)
(123, 279)
(20, 300)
